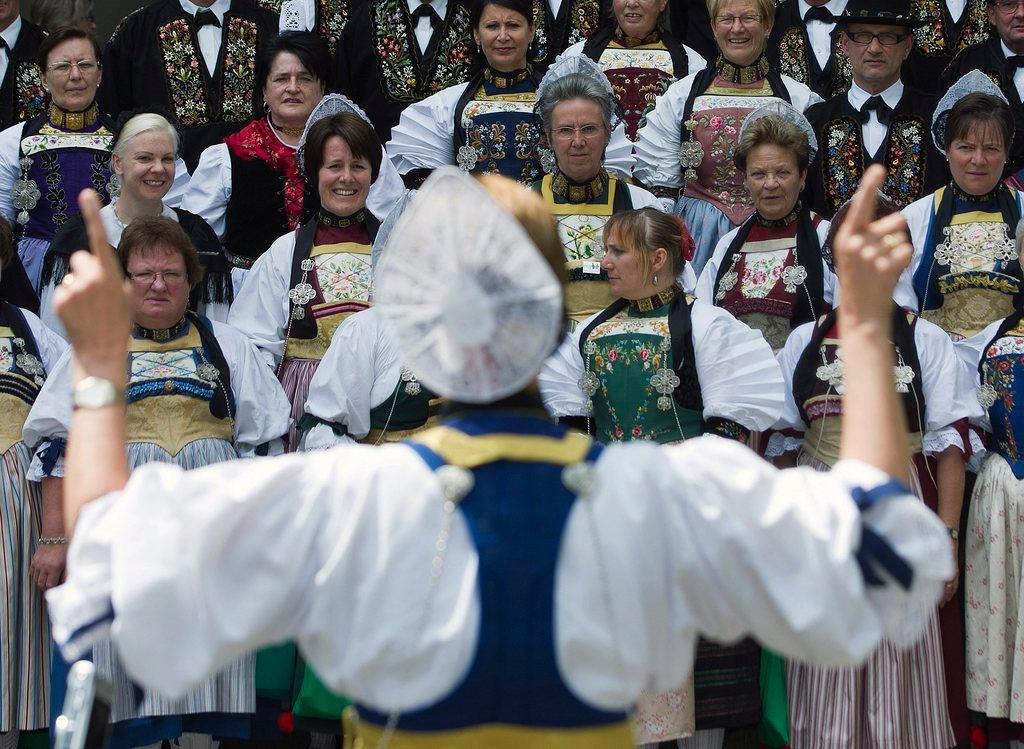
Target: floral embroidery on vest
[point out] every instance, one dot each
(30, 97)
(540, 36)
(930, 34)
(398, 67)
(274, 6)
(793, 54)
(585, 18)
(723, 144)
(184, 77)
(333, 17)
(240, 69)
(844, 160)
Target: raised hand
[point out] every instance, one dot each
(870, 255)
(92, 302)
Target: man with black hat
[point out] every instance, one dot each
(1001, 57)
(804, 45)
(879, 120)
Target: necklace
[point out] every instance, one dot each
(160, 334)
(775, 223)
(291, 132)
(341, 222)
(625, 40)
(505, 80)
(653, 302)
(742, 73)
(573, 192)
(74, 120)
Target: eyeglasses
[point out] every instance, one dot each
(147, 278)
(746, 20)
(586, 132)
(1006, 6)
(85, 67)
(885, 38)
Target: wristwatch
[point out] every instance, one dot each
(95, 392)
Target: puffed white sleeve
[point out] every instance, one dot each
(209, 190)
(918, 216)
(695, 61)
(262, 410)
(10, 169)
(618, 157)
(220, 560)
(792, 557)
(559, 378)
(424, 137)
(46, 428)
(787, 434)
(359, 371)
(657, 143)
(705, 289)
(51, 346)
(970, 351)
(739, 377)
(829, 279)
(950, 394)
(261, 306)
(800, 96)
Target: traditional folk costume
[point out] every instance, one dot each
(772, 275)
(666, 369)
(686, 148)
(993, 565)
(899, 697)
(561, 24)
(311, 279)
(804, 45)
(964, 273)
(44, 164)
(640, 70)
(363, 392)
(325, 18)
(596, 591)
(855, 134)
(22, 95)
(170, 55)
(198, 394)
(211, 297)
(999, 63)
(581, 211)
(28, 351)
(943, 29)
(383, 67)
(250, 190)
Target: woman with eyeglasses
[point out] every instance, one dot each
(684, 154)
(899, 697)
(965, 273)
(46, 161)
(576, 107)
(486, 125)
(640, 56)
(144, 159)
(199, 393)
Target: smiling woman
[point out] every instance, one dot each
(144, 160)
(310, 280)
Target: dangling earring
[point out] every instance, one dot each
(114, 187)
(655, 280)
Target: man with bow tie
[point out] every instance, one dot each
(879, 120)
(193, 59)
(1001, 57)
(22, 95)
(803, 45)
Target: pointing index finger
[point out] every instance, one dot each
(862, 207)
(99, 245)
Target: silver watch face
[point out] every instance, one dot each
(93, 392)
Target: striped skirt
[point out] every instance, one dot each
(232, 690)
(24, 627)
(295, 376)
(897, 699)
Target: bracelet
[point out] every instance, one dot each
(954, 534)
(53, 541)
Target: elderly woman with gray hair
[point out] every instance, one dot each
(145, 161)
(577, 111)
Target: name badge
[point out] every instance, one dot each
(592, 268)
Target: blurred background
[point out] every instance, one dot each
(108, 13)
